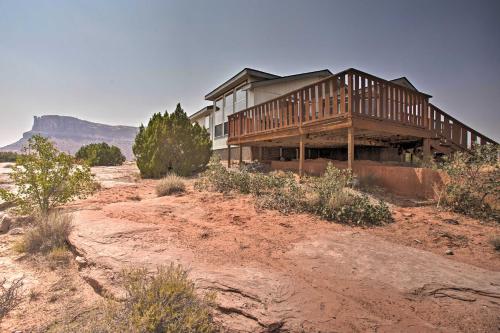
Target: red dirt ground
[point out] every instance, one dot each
(293, 273)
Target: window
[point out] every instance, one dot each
(228, 105)
(226, 128)
(241, 100)
(218, 130)
(218, 112)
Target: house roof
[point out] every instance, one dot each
(203, 112)
(238, 79)
(320, 73)
(403, 81)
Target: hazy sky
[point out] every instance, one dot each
(117, 62)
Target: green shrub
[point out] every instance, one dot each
(327, 196)
(100, 154)
(49, 233)
(8, 156)
(215, 178)
(164, 302)
(45, 178)
(473, 180)
(169, 185)
(170, 143)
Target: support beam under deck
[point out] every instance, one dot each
(350, 147)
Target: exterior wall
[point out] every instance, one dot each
(255, 96)
(219, 143)
(235, 153)
(267, 92)
(405, 181)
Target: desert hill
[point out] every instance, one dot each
(69, 134)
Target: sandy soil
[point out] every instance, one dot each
(273, 272)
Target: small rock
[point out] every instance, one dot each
(417, 241)
(16, 231)
(81, 261)
(449, 252)
(451, 221)
(408, 214)
(5, 223)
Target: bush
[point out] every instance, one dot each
(170, 143)
(45, 178)
(49, 233)
(328, 196)
(10, 295)
(59, 257)
(169, 185)
(8, 156)
(473, 180)
(164, 302)
(100, 154)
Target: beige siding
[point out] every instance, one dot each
(267, 92)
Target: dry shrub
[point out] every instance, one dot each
(163, 302)
(49, 233)
(10, 295)
(59, 257)
(169, 185)
(472, 182)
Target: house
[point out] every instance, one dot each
(346, 116)
(247, 88)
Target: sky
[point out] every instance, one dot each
(118, 62)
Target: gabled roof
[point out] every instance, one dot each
(403, 81)
(238, 79)
(320, 73)
(203, 112)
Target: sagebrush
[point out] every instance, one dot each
(472, 182)
(166, 301)
(328, 196)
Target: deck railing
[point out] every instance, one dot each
(346, 94)
(453, 131)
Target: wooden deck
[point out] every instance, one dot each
(347, 108)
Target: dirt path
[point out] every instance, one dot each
(294, 272)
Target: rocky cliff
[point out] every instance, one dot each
(69, 134)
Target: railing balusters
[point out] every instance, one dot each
(354, 93)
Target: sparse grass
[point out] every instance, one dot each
(169, 185)
(59, 257)
(48, 234)
(166, 301)
(10, 295)
(495, 241)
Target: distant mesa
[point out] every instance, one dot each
(69, 134)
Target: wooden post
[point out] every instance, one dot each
(301, 155)
(241, 155)
(427, 149)
(228, 156)
(350, 147)
(260, 154)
